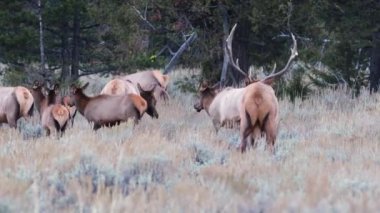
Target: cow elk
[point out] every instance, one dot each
(64, 100)
(118, 87)
(53, 116)
(222, 107)
(259, 110)
(148, 78)
(15, 102)
(108, 110)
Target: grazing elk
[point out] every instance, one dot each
(259, 111)
(124, 87)
(107, 110)
(15, 102)
(53, 116)
(147, 78)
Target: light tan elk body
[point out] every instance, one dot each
(15, 102)
(222, 107)
(148, 78)
(53, 116)
(259, 114)
(119, 87)
(107, 110)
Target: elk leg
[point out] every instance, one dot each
(136, 121)
(96, 126)
(63, 129)
(216, 125)
(271, 133)
(255, 135)
(47, 130)
(12, 121)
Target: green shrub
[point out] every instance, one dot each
(14, 77)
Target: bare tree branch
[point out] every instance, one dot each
(166, 47)
(184, 46)
(142, 17)
(90, 71)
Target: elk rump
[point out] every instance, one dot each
(15, 102)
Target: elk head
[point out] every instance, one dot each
(206, 96)
(77, 90)
(37, 85)
(52, 92)
(268, 79)
(148, 95)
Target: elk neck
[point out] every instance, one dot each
(81, 101)
(39, 99)
(208, 99)
(51, 98)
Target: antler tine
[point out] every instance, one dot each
(274, 68)
(229, 51)
(294, 54)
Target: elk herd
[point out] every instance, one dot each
(253, 108)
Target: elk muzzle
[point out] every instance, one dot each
(198, 107)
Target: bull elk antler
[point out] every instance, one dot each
(273, 74)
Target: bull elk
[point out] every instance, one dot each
(15, 102)
(53, 116)
(255, 106)
(107, 110)
(259, 111)
(147, 78)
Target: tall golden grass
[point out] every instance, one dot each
(327, 160)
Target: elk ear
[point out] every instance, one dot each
(84, 86)
(36, 84)
(203, 86)
(56, 88)
(247, 81)
(268, 81)
(166, 80)
(44, 91)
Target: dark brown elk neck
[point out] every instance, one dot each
(208, 99)
(81, 101)
(51, 98)
(39, 99)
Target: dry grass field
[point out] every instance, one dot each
(327, 160)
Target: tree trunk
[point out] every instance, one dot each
(239, 48)
(65, 74)
(75, 46)
(42, 48)
(374, 76)
(224, 14)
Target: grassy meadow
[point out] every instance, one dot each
(327, 160)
